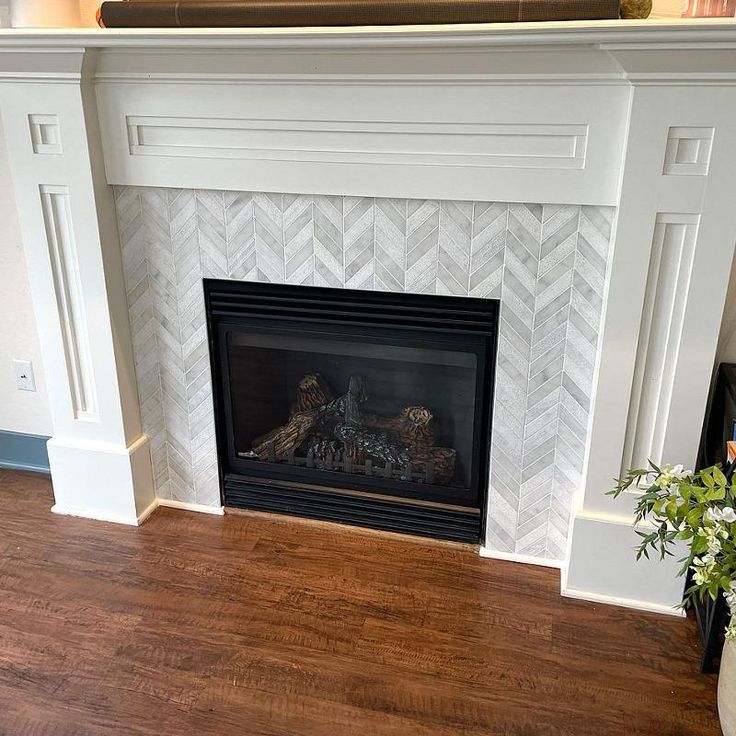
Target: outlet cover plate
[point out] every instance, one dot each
(24, 378)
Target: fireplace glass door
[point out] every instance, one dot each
(349, 397)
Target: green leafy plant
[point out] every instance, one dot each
(697, 508)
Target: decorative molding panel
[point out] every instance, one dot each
(69, 297)
(474, 141)
(668, 282)
(356, 142)
(45, 134)
(688, 151)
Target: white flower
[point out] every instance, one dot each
(700, 577)
(679, 472)
(731, 630)
(718, 516)
(713, 514)
(714, 546)
(731, 601)
(728, 515)
(731, 597)
(665, 478)
(713, 536)
(702, 569)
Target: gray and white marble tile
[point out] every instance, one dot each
(546, 263)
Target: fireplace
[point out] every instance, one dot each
(589, 202)
(368, 408)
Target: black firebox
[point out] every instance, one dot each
(366, 408)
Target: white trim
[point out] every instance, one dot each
(91, 514)
(147, 511)
(605, 517)
(64, 260)
(610, 600)
(184, 506)
(145, 514)
(613, 33)
(325, 80)
(524, 559)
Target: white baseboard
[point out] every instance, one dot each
(147, 511)
(87, 514)
(137, 521)
(524, 559)
(25, 466)
(610, 600)
(185, 506)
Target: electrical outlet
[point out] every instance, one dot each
(24, 379)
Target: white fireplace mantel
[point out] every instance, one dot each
(633, 115)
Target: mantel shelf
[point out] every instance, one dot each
(672, 52)
(677, 32)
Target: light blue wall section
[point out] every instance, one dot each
(23, 452)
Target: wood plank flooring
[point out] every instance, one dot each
(196, 624)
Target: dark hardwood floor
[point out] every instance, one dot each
(196, 624)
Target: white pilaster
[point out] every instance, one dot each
(669, 275)
(100, 461)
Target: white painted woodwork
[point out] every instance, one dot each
(100, 461)
(660, 335)
(355, 141)
(673, 248)
(45, 134)
(537, 143)
(688, 151)
(69, 292)
(637, 115)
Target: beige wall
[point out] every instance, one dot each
(88, 10)
(20, 411)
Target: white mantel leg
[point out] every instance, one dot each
(99, 458)
(672, 252)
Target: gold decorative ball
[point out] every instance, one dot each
(636, 8)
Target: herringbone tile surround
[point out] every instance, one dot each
(547, 264)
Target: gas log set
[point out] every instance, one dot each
(335, 433)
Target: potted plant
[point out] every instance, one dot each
(700, 510)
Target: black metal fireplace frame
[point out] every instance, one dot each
(232, 304)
